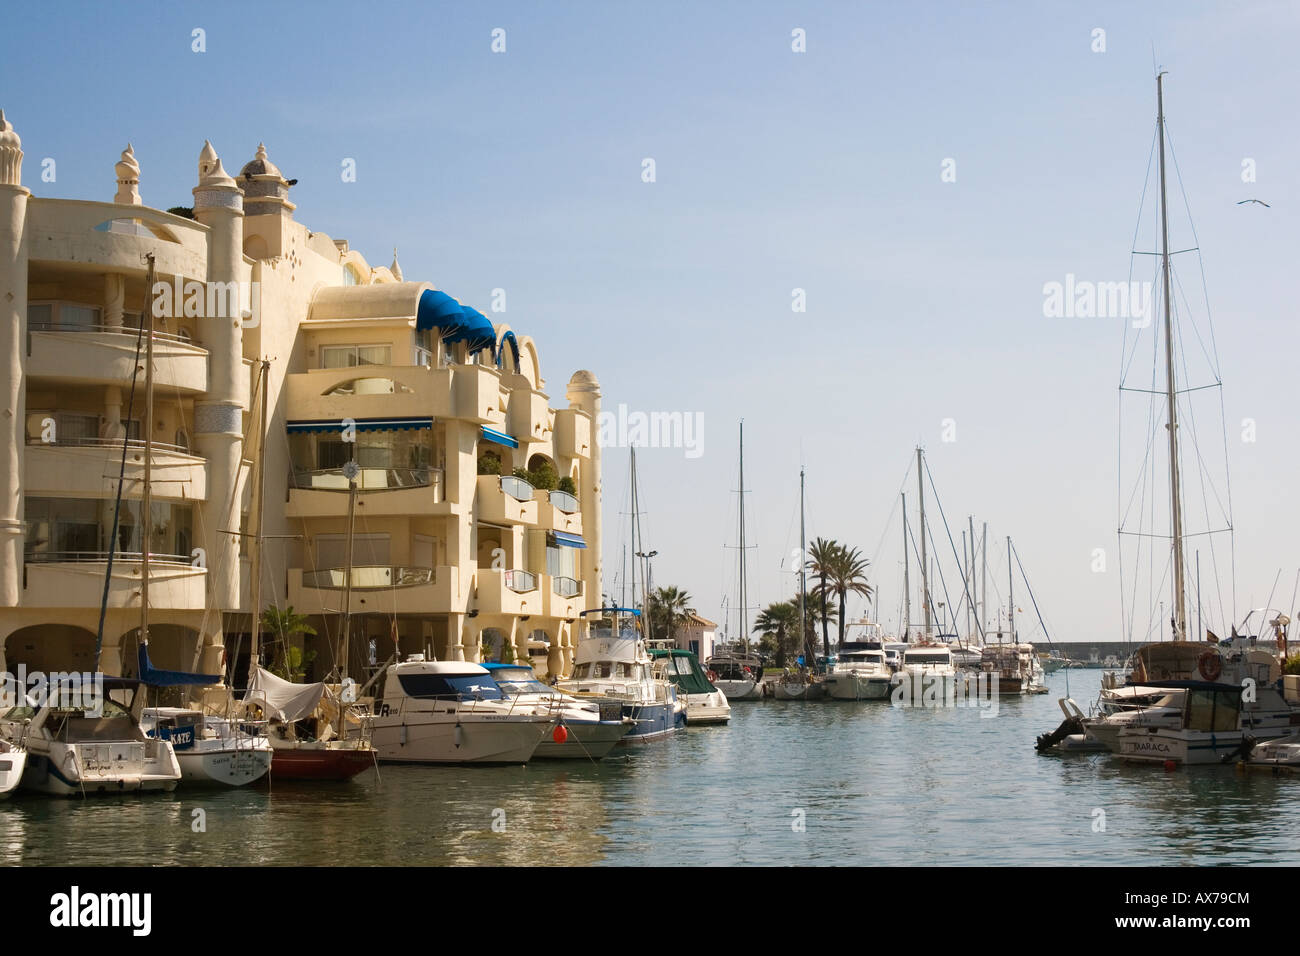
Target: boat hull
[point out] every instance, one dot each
(653, 721)
(12, 764)
(42, 776)
(229, 767)
(433, 738)
(849, 687)
(319, 763)
(586, 741)
(740, 689)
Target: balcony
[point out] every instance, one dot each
(376, 589)
(558, 511)
(528, 415)
(509, 592)
(102, 235)
(380, 491)
(476, 393)
(368, 391)
(506, 500)
(103, 355)
(564, 597)
(76, 579)
(88, 468)
(572, 433)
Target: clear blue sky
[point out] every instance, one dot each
(775, 170)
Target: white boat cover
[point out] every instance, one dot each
(281, 699)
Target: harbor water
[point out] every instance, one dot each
(826, 782)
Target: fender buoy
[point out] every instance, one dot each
(1210, 665)
(560, 734)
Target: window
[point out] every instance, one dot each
(62, 316)
(59, 528)
(350, 356)
(449, 687)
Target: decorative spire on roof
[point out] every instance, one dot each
(395, 269)
(11, 154)
(128, 179)
(211, 172)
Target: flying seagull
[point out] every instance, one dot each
(1260, 201)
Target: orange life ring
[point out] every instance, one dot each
(1210, 665)
(713, 675)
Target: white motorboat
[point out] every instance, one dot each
(87, 740)
(861, 671)
(592, 728)
(452, 712)
(927, 668)
(705, 703)
(211, 751)
(612, 662)
(13, 761)
(738, 675)
(1208, 729)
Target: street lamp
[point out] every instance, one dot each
(648, 580)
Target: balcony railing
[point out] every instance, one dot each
(521, 582)
(563, 501)
(74, 557)
(130, 330)
(517, 488)
(368, 577)
(369, 479)
(566, 587)
(108, 443)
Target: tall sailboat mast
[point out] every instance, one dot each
(744, 583)
(255, 562)
(146, 495)
(1175, 491)
(907, 585)
(1011, 600)
(925, 573)
(803, 583)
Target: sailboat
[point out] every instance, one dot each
(316, 732)
(736, 671)
(803, 684)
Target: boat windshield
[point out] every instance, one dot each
(450, 686)
(913, 657)
(599, 669)
(511, 687)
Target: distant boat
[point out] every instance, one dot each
(705, 703)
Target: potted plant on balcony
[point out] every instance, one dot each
(489, 463)
(293, 660)
(567, 485)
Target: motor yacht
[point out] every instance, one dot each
(592, 728)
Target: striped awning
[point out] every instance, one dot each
(566, 540)
(362, 425)
(501, 438)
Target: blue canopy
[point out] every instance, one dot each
(155, 678)
(476, 331)
(362, 425)
(565, 540)
(509, 339)
(501, 438)
(439, 310)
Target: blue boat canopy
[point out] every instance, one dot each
(155, 678)
(565, 540)
(501, 438)
(362, 425)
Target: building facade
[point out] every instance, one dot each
(476, 513)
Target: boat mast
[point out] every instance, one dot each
(632, 520)
(146, 495)
(971, 596)
(1011, 599)
(744, 584)
(1175, 493)
(255, 559)
(803, 583)
(925, 573)
(984, 576)
(351, 470)
(907, 585)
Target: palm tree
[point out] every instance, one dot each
(849, 575)
(284, 624)
(780, 619)
(669, 609)
(815, 613)
(822, 558)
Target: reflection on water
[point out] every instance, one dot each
(875, 784)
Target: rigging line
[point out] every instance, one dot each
(1024, 577)
(1137, 228)
(1191, 317)
(965, 583)
(1165, 537)
(1162, 392)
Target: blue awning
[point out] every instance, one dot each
(509, 339)
(501, 438)
(565, 540)
(476, 331)
(156, 678)
(362, 425)
(439, 310)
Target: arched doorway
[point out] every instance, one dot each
(50, 647)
